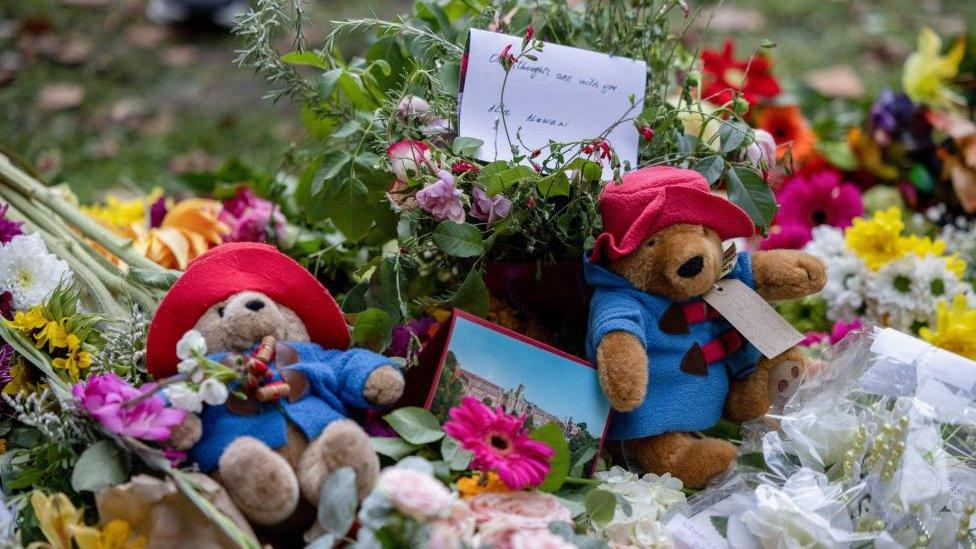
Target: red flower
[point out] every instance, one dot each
(789, 129)
(724, 74)
(461, 167)
(647, 132)
(529, 33)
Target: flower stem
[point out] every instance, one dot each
(582, 481)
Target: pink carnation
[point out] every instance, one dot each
(442, 199)
(489, 209)
(499, 443)
(103, 396)
(249, 217)
(841, 329)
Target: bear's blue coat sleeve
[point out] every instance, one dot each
(743, 270)
(614, 312)
(341, 374)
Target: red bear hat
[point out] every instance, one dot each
(236, 267)
(653, 198)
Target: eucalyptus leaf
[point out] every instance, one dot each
(393, 447)
(101, 465)
(459, 239)
(415, 425)
(337, 501)
(551, 434)
(457, 458)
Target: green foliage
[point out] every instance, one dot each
(551, 434)
(600, 506)
(101, 465)
(415, 425)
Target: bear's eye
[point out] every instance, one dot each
(220, 312)
(651, 242)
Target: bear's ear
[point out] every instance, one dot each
(209, 324)
(293, 328)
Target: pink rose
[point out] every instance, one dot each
(249, 217)
(442, 199)
(454, 530)
(489, 209)
(415, 494)
(530, 509)
(762, 153)
(507, 532)
(408, 156)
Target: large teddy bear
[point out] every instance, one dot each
(270, 454)
(668, 362)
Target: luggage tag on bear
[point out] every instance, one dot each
(753, 317)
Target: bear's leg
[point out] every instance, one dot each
(342, 444)
(259, 480)
(693, 460)
(751, 397)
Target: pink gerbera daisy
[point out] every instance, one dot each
(499, 443)
(806, 201)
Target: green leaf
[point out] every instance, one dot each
(355, 91)
(327, 81)
(459, 239)
(338, 501)
(305, 58)
(457, 458)
(332, 164)
(449, 77)
(101, 465)
(384, 288)
(415, 425)
(552, 436)
(373, 329)
(732, 135)
(711, 168)
(355, 299)
(581, 458)
(748, 190)
(347, 205)
(393, 447)
(600, 506)
(556, 184)
(472, 296)
(466, 146)
(721, 525)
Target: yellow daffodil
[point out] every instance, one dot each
(76, 359)
(117, 534)
(53, 335)
(478, 484)
(927, 73)
(56, 516)
(954, 328)
(876, 240)
(28, 321)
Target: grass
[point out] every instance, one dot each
(159, 101)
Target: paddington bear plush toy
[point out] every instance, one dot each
(270, 453)
(669, 363)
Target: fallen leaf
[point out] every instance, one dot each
(179, 56)
(145, 35)
(836, 81)
(57, 97)
(192, 161)
(127, 110)
(75, 51)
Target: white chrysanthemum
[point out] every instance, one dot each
(648, 501)
(29, 271)
(891, 295)
(827, 242)
(844, 291)
(932, 283)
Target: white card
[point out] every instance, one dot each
(753, 317)
(567, 95)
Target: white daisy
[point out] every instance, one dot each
(844, 291)
(932, 283)
(29, 271)
(890, 296)
(827, 242)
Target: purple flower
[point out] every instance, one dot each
(103, 396)
(6, 359)
(489, 209)
(442, 199)
(157, 212)
(400, 342)
(248, 217)
(8, 227)
(895, 118)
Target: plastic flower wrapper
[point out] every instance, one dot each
(643, 506)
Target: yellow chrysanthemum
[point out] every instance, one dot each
(26, 322)
(927, 73)
(118, 213)
(478, 484)
(76, 359)
(955, 327)
(117, 534)
(923, 246)
(876, 240)
(56, 516)
(53, 335)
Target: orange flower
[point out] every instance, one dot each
(474, 485)
(790, 130)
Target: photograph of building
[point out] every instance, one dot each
(513, 401)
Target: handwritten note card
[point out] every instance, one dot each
(567, 95)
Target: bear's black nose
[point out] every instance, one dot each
(692, 267)
(255, 304)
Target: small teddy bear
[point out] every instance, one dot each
(668, 362)
(269, 453)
